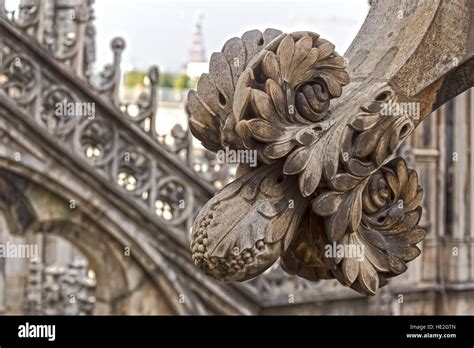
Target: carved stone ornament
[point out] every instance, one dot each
(326, 182)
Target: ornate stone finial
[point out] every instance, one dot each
(117, 45)
(326, 184)
(109, 84)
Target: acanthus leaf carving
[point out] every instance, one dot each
(350, 192)
(211, 106)
(287, 100)
(379, 218)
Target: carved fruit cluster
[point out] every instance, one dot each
(222, 268)
(270, 93)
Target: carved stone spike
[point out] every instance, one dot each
(281, 109)
(280, 100)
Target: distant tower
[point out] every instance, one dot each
(197, 63)
(197, 52)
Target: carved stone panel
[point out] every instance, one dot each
(328, 196)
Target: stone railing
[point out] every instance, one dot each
(66, 31)
(95, 133)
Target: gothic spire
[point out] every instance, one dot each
(197, 52)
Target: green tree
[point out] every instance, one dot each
(134, 78)
(166, 79)
(182, 81)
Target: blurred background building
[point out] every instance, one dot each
(110, 200)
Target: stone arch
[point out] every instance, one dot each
(16, 209)
(37, 204)
(111, 274)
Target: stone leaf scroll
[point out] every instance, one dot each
(326, 178)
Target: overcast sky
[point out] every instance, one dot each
(159, 31)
